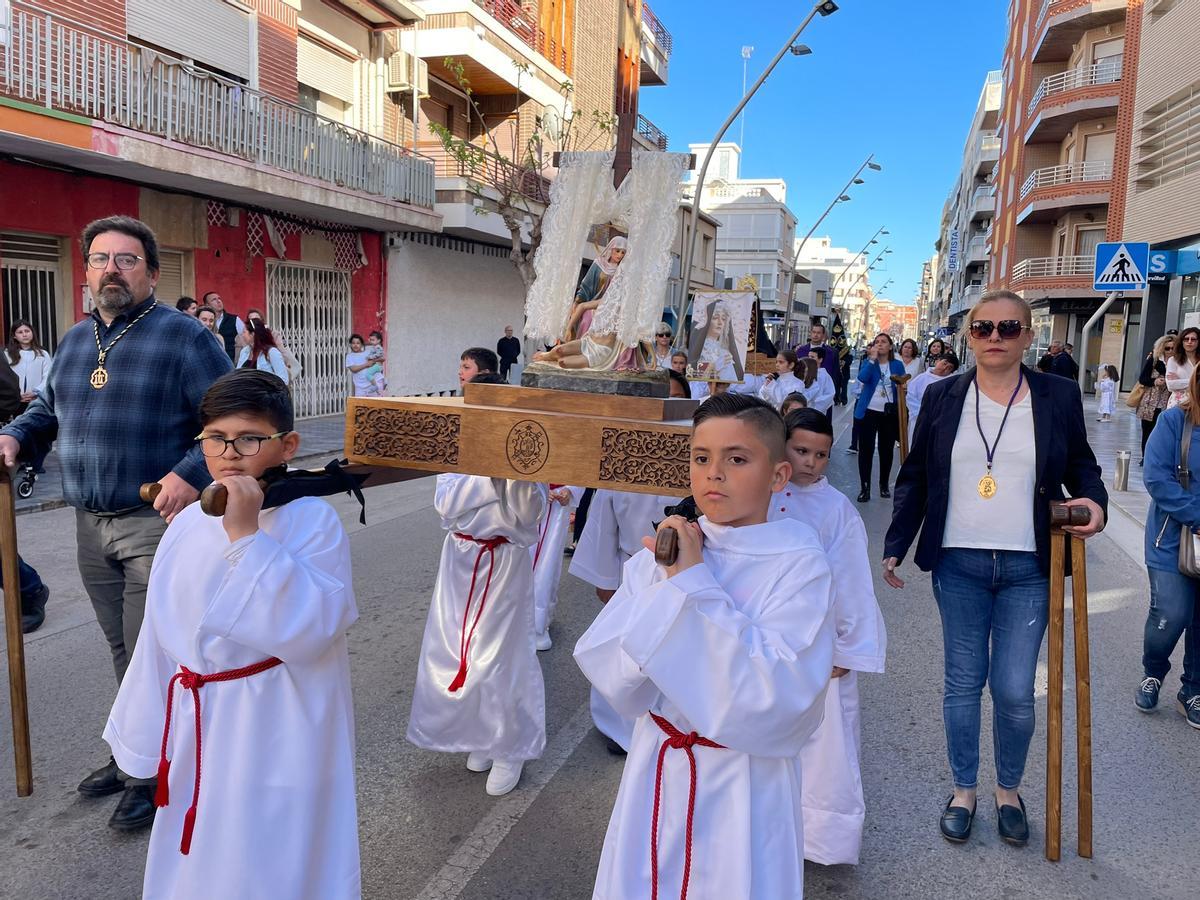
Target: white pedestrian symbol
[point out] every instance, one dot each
(1121, 269)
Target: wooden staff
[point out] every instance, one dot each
(901, 382)
(18, 698)
(1059, 516)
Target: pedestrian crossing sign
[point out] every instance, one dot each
(1121, 266)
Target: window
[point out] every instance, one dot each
(1087, 239)
(1167, 148)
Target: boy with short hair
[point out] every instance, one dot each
(833, 796)
(724, 657)
(242, 654)
(477, 361)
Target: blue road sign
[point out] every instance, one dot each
(1122, 266)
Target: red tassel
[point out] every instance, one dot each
(162, 794)
(459, 679)
(189, 825)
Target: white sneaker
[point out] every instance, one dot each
(543, 640)
(504, 776)
(478, 762)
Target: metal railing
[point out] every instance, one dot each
(988, 143)
(651, 132)
(662, 37)
(985, 192)
(1041, 18)
(1108, 72)
(510, 14)
(489, 170)
(1053, 267)
(1050, 176)
(977, 248)
(67, 66)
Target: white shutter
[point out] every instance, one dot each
(170, 276)
(321, 68)
(208, 31)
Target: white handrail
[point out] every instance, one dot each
(1089, 170)
(1052, 267)
(1107, 72)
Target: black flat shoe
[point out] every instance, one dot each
(884, 492)
(614, 748)
(956, 822)
(104, 781)
(135, 810)
(33, 609)
(864, 495)
(1012, 824)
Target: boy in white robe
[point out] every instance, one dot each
(479, 686)
(943, 367)
(547, 556)
(833, 795)
(242, 655)
(724, 657)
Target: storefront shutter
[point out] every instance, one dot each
(321, 68)
(218, 34)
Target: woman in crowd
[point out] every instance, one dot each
(289, 358)
(662, 345)
(208, 318)
(1153, 379)
(1180, 366)
(992, 450)
(1174, 596)
(261, 351)
(875, 414)
(28, 360)
(934, 352)
(187, 305)
(910, 356)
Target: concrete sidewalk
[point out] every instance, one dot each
(1124, 432)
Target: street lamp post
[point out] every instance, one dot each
(867, 246)
(826, 8)
(746, 52)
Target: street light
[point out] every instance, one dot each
(746, 52)
(824, 9)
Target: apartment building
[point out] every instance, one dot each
(849, 272)
(897, 319)
(1066, 128)
(928, 321)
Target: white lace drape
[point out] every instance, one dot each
(582, 195)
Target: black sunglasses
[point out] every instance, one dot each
(1009, 329)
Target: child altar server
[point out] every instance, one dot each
(547, 556)
(479, 685)
(238, 694)
(723, 657)
(833, 793)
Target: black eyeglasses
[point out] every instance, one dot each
(1010, 329)
(245, 445)
(124, 261)
(663, 334)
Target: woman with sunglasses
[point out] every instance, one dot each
(662, 345)
(1180, 366)
(1153, 379)
(875, 414)
(993, 448)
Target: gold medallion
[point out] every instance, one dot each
(987, 487)
(99, 377)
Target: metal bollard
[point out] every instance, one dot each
(1121, 478)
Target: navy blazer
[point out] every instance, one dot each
(869, 372)
(1064, 459)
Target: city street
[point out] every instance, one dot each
(429, 831)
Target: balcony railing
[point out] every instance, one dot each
(510, 14)
(1037, 27)
(977, 248)
(1054, 267)
(490, 170)
(662, 37)
(651, 132)
(1108, 72)
(67, 66)
(1094, 170)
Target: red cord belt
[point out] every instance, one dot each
(193, 681)
(487, 546)
(676, 740)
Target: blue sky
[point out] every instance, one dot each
(897, 79)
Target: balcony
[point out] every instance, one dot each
(1061, 23)
(656, 48)
(1048, 191)
(1067, 98)
(649, 136)
(987, 154)
(1053, 276)
(462, 179)
(144, 116)
(983, 202)
(977, 250)
(963, 300)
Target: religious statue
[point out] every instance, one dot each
(591, 289)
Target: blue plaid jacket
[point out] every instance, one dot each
(142, 424)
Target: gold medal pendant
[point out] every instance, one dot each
(99, 377)
(987, 487)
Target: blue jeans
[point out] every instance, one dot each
(1174, 610)
(999, 597)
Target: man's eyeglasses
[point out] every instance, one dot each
(246, 445)
(1010, 329)
(124, 261)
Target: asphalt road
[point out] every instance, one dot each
(428, 830)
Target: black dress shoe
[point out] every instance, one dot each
(614, 748)
(956, 822)
(104, 781)
(864, 495)
(33, 609)
(1012, 823)
(135, 810)
(884, 492)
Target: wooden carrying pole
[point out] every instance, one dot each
(18, 699)
(1060, 516)
(901, 382)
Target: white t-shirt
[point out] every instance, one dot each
(883, 390)
(362, 381)
(1005, 522)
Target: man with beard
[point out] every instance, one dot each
(123, 402)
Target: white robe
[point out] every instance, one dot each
(834, 808)
(500, 709)
(616, 523)
(276, 814)
(547, 556)
(738, 649)
(913, 396)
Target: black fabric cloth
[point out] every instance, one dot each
(1045, 363)
(10, 394)
(885, 426)
(581, 512)
(1064, 366)
(1152, 368)
(227, 329)
(508, 349)
(1064, 459)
